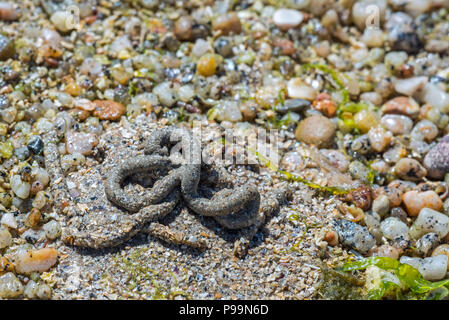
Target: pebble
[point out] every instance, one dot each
(430, 220)
(201, 47)
(317, 130)
(287, 18)
(354, 235)
(6, 48)
(20, 188)
(415, 201)
(64, 21)
(108, 110)
(227, 23)
(10, 286)
(165, 93)
(36, 260)
(397, 124)
(32, 219)
(401, 105)
(379, 138)
(228, 111)
(365, 120)
(292, 105)
(384, 250)
(442, 249)
(36, 145)
(393, 228)
(409, 169)
(436, 97)
(410, 86)
(80, 142)
(436, 160)
(427, 243)
(297, 89)
(381, 205)
(424, 130)
(9, 220)
(8, 12)
(52, 230)
(431, 268)
(208, 64)
(183, 28)
(5, 238)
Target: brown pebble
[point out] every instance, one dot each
(32, 219)
(404, 71)
(108, 110)
(414, 201)
(406, 106)
(409, 169)
(227, 23)
(183, 28)
(331, 237)
(317, 130)
(361, 197)
(5, 265)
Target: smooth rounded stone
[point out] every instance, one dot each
(427, 243)
(442, 249)
(430, 220)
(399, 213)
(228, 111)
(384, 250)
(30, 291)
(431, 268)
(41, 175)
(415, 201)
(20, 188)
(364, 13)
(293, 105)
(5, 238)
(223, 46)
(52, 229)
(436, 97)
(80, 142)
(9, 220)
(393, 228)
(381, 205)
(424, 130)
(64, 21)
(401, 105)
(297, 89)
(183, 28)
(397, 124)
(373, 38)
(119, 45)
(287, 18)
(379, 138)
(436, 160)
(317, 130)
(380, 166)
(10, 286)
(411, 85)
(354, 236)
(8, 12)
(108, 110)
(409, 169)
(35, 260)
(6, 48)
(227, 23)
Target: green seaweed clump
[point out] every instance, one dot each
(336, 285)
(411, 286)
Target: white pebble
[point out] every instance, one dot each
(297, 89)
(10, 286)
(287, 18)
(9, 220)
(5, 238)
(52, 230)
(410, 86)
(20, 188)
(430, 220)
(64, 21)
(393, 228)
(166, 95)
(228, 111)
(431, 268)
(436, 97)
